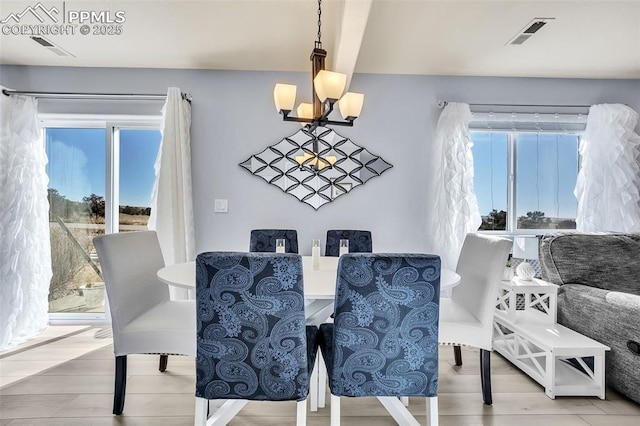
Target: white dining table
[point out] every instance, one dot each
(318, 284)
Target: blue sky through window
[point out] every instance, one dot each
(490, 171)
(77, 161)
(546, 171)
(547, 167)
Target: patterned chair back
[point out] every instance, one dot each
(359, 241)
(251, 334)
(264, 240)
(384, 340)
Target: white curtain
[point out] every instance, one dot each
(172, 201)
(25, 253)
(608, 183)
(452, 207)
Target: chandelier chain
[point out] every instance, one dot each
(319, 23)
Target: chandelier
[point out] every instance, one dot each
(327, 90)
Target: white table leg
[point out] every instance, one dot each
(399, 412)
(226, 412)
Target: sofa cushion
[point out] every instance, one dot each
(606, 261)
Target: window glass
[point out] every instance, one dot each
(76, 170)
(544, 176)
(78, 201)
(138, 151)
(490, 178)
(546, 172)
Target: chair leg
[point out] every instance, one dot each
(322, 381)
(120, 385)
(432, 411)
(301, 413)
(457, 355)
(335, 410)
(163, 363)
(485, 375)
(202, 410)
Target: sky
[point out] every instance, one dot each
(77, 159)
(546, 170)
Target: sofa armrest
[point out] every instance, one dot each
(611, 318)
(594, 310)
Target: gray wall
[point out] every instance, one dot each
(234, 117)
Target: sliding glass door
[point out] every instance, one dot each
(100, 181)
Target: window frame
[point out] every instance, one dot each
(512, 157)
(112, 125)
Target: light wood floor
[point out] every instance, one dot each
(65, 377)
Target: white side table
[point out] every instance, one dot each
(532, 340)
(540, 298)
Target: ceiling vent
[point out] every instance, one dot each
(529, 30)
(48, 44)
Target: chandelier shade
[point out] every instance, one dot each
(329, 85)
(305, 110)
(350, 105)
(284, 96)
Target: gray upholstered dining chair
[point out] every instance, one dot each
(252, 341)
(264, 240)
(384, 340)
(359, 241)
(466, 319)
(143, 318)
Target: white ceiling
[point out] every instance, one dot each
(587, 39)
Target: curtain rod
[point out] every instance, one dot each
(442, 104)
(69, 95)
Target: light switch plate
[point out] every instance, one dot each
(220, 206)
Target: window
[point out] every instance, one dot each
(101, 176)
(524, 181)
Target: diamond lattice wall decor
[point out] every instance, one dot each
(316, 167)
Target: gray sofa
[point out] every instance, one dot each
(599, 296)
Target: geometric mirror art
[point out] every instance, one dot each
(316, 166)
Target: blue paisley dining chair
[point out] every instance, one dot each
(359, 241)
(264, 240)
(384, 339)
(252, 341)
